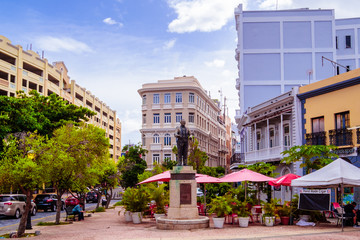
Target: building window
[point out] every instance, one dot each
(178, 117)
(143, 140)
(336, 42)
(156, 117)
(178, 98)
(156, 158)
(342, 120)
(271, 137)
(287, 136)
(317, 124)
(156, 138)
(258, 140)
(144, 99)
(167, 157)
(144, 118)
(348, 41)
(167, 139)
(191, 117)
(156, 98)
(167, 98)
(337, 70)
(167, 118)
(191, 97)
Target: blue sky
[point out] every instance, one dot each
(112, 47)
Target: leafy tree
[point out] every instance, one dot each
(196, 158)
(314, 157)
(131, 165)
(168, 164)
(213, 171)
(108, 179)
(74, 155)
(34, 112)
(22, 168)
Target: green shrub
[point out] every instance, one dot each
(100, 209)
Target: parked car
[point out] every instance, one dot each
(14, 205)
(48, 201)
(91, 197)
(71, 201)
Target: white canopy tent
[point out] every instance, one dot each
(338, 173)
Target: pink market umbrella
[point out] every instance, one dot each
(244, 176)
(165, 177)
(284, 180)
(162, 177)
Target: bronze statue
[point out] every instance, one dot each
(182, 135)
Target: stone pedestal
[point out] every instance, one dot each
(183, 211)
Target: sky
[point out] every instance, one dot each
(112, 47)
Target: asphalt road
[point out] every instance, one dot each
(8, 224)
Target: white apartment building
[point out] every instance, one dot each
(164, 104)
(279, 50)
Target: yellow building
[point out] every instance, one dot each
(26, 71)
(331, 113)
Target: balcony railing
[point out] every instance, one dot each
(317, 138)
(340, 137)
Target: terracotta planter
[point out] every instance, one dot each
(269, 221)
(243, 221)
(219, 222)
(128, 217)
(285, 220)
(136, 217)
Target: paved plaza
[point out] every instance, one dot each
(110, 225)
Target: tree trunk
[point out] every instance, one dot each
(108, 198)
(22, 224)
(59, 194)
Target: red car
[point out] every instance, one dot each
(71, 201)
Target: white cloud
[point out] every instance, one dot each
(54, 44)
(275, 4)
(111, 21)
(215, 63)
(201, 15)
(169, 44)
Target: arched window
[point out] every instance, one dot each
(156, 138)
(167, 139)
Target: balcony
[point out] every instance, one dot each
(266, 154)
(340, 137)
(317, 138)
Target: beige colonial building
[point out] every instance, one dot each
(165, 103)
(26, 71)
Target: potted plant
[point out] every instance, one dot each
(243, 212)
(270, 212)
(160, 196)
(284, 212)
(125, 202)
(139, 199)
(220, 206)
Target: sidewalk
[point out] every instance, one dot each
(109, 225)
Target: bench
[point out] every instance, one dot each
(69, 212)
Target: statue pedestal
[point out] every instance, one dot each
(183, 212)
